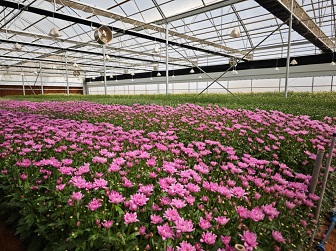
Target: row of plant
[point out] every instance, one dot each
(88, 176)
(317, 105)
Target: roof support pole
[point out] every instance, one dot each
(167, 65)
(23, 86)
(66, 73)
(42, 91)
(289, 48)
(104, 55)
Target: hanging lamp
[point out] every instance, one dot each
(235, 33)
(293, 62)
(332, 61)
(54, 32)
(17, 47)
(158, 74)
(276, 66)
(192, 71)
(200, 76)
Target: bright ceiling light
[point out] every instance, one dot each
(293, 62)
(54, 32)
(235, 33)
(332, 63)
(192, 71)
(276, 68)
(158, 74)
(17, 47)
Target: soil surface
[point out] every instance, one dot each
(8, 241)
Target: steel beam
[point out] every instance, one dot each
(302, 22)
(86, 22)
(101, 12)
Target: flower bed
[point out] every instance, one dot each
(98, 177)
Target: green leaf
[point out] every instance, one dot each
(132, 236)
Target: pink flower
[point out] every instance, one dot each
(243, 212)
(178, 203)
(77, 196)
(107, 224)
(204, 224)
(208, 238)
(23, 176)
(185, 246)
(130, 218)
(256, 214)
(165, 231)
(99, 183)
(156, 219)
(184, 226)
(142, 230)
(139, 199)
(115, 197)
(277, 236)
(98, 159)
(171, 214)
(250, 240)
(94, 204)
(222, 220)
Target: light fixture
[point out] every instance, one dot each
(151, 78)
(2, 79)
(200, 76)
(126, 71)
(54, 67)
(192, 71)
(276, 66)
(235, 33)
(35, 72)
(332, 60)
(132, 78)
(235, 72)
(173, 76)
(54, 32)
(75, 65)
(158, 74)
(93, 77)
(156, 49)
(17, 47)
(11, 76)
(132, 73)
(293, 62)
(107, 57)
(111, 76)
(22, 74)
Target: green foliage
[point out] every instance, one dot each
(317, 105)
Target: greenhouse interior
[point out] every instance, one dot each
(167, 125)
(166, 47)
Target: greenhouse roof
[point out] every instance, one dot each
(199, 33)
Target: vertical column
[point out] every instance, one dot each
(42, 91)
(167, 77)
(104, 55)
(289, 48)
(251, 85)
(279, 84)
(67, 73)
(313, 80)
(23, 85)
(332, 83)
